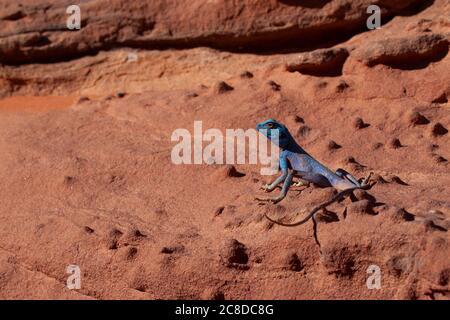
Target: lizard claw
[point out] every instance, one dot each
(365, 184)
(267, 188)
(300, 184)
(367, 179)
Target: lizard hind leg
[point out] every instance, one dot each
(316, 178)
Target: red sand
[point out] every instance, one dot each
(35, 103)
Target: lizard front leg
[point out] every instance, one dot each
(270, 187)
(284, 190)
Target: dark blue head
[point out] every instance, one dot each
(271, 127)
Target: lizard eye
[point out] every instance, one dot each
(270, 125)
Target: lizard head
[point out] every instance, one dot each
(271, 127)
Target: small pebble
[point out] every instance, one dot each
(275, 86)
(246, 75)
(332, 145)
(395, 143)
(377, 146)
(439, 130)
(358, 123)
(88, 229)
(415, 118)
(222, 87)
(342, 86)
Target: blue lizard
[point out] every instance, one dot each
(296, 162)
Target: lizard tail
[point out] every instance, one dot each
(364, 186)
(319, 207)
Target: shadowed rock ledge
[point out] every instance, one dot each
(33, 32)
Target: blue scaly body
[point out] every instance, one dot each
(296, 162)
